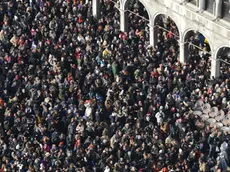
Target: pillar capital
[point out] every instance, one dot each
(151, 25)
(182, 42)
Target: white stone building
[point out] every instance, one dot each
(209, 17)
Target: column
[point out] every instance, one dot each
(215, 68)
(152, 35)
(202, 5)
(218, 10)
(124, 15)
(96, 8)
(183, 52)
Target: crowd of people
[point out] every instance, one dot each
(77, 94)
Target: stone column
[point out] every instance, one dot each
(215, 68)
(183, 52)
(219, 7)
(96, 8)
(202, 5)
(124, 16)
(152, 38)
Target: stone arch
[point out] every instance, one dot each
(216, 53)
(123, 6)
(185, 44)
(171, 17)
(176, 34)
(124, 18)
(185, 33)
(222, 63)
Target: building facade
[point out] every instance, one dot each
(208, 17)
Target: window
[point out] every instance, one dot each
(210, 5)
(226, 10)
